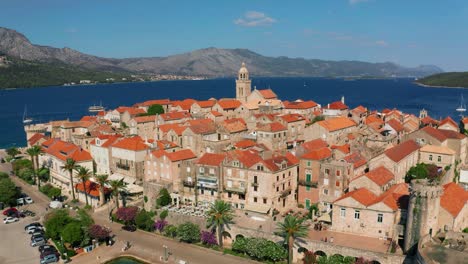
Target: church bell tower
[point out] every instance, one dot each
(243, 84)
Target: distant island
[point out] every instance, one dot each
(38, 65)
(446, 79)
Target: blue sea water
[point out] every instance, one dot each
(52, 103)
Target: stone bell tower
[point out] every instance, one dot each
(243, 84)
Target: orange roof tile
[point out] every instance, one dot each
(183, 154)
(395, 197)
(131, 143)
(202, 126)
(63, 150)
(274, 163)
(165, 144)
(359, 110)
(400, 151)
(314, 144)
(186, 104)
(35, 138)
(396, 125)
(177, 128)
(429, 121)
(247, 157)
(454, 198)
(373, 119)
(145, 119)
(92, 188)
(465, 120)
(175, 115)
(336, 123)
(271, 127)
(317, 154)
(452, 134)
(270, 117)
(268, 94)
(234, 125)
(246, 143)
(133, 111)
(299, 104)
(361, 195)
(206, 104)
(228, 104)
(435, 133)
(73, 124)
(153, 102)
(289, 118)
(356, 159)
(88, 118)
(211, 159)
(449, 121)
(216, 113)
(346, 148)
(379, 175)
(338, 105)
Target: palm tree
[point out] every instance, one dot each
(290, 229)
(102, 180)
(70, 165)
(34, 153)
(220, 215)
(83, 174)
(116, 187)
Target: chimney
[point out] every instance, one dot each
(328, 106)
(342, 99)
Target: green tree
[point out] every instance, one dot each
(143, 221)
(55, 223)
(8, 191)
(155, 109)
(240, 245)
(13, 151)
(170, 231)
(22, 164)
(164, 198)
(34, 153)
(117, 186)
(73, 233)
(291, 229)
(4, 175)
(219, 216)
(83, 174)
(188, 232)
(102, 180)
(84, 218)
(70, 165)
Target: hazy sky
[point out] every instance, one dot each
(408, 32)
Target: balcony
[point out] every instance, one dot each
(285, 193)
(308, 183)
(190, 184)
(239, 190)
(123, 166)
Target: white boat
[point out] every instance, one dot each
(96, 108)
(462, 107)
(26, 120)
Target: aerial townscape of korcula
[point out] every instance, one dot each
(223, 155)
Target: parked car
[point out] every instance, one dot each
(46, 247)
(10, 219)
(10, 211)
(28, 213)
(36, 236)
(38, 241)
(129, 228)
(20, 201)
(50, 252)
(49, 259)
(34, 224)
(33, 229)
(38, 232)
(28, 200)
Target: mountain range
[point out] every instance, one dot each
(209, 62)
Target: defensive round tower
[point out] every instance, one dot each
(423, 211)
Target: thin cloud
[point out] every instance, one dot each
(254, 19)
(353, 2)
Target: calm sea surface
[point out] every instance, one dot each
(49, 103)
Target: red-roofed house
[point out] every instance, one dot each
(398, 159)
(230, 108)
(334, 178)
(453, 214)
(142, 126)
(93, 190)
(295, 123)
(165, 103)
(330, 130)
(257, 95)
(201, 108)
(364, 213)
(56, 152)
(394, 127)
(128, 158)
(174, 117)
(273, 135)
(36, 139)
(335, 109)
(448, 124)
(359, 163)
(184, 105)
(358, 114)
(101, 152)
(305, 108)
(377, 181)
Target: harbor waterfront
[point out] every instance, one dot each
(57, 103)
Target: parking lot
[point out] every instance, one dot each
(14, 245)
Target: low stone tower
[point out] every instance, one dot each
(423, 211)
(422, 113)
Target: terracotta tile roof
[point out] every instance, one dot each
(268, 94)
(104, 129)
(399, 152)
(374, 119)
(454, 198)
(465, 120)
(361, 195)
(35, 138)
(92, 188)
(274, 163)
(271, 127)
(396, 125)
(452, 134)
(203, 126)
(108, 140)
(337, 123)
(317, 154)
(292, 158)
(229, 104)
(299, 104)
(270, 117)
(396, 197)
(183, 154)
(216, 113)
(101, 113)
(386, 111)
(175, 115)
(73, 124)
(359, 110)
(314, 144)
(211, 159)
(135, 143)
(89, 118)
(165, 144)
(338, 105)
(206, 104)
(145, 119)
(63, 150)
(437, 149)
(246, 143)
(346, 148)
(411, 125)
(177, 128)
(133, 111)
(356, 159)
(290, 118)
(153, 102)
(435, 133)
(379, 175)
(247, 157)
(234, 125)
(449, 121)
(429, 121)
(185, 104)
